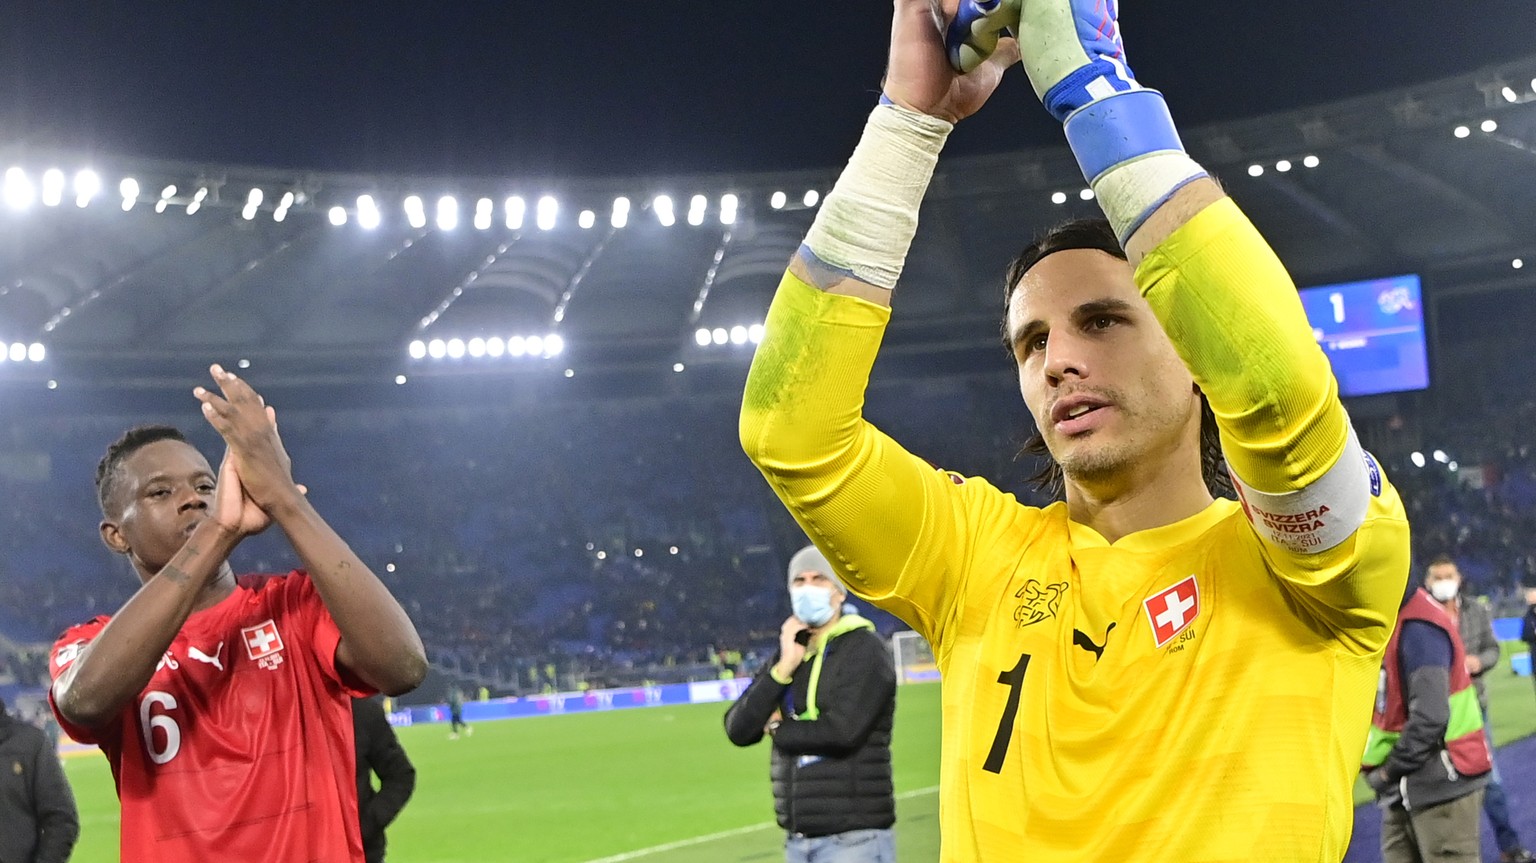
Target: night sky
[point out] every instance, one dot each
(648, 86)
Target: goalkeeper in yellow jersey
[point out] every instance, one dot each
(1141, 672)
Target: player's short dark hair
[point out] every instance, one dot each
(108, 475)
(1097, 234)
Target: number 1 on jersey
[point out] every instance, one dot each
(1014, 678)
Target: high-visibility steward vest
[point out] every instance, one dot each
(1464, 739)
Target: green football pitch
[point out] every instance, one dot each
(651, 784)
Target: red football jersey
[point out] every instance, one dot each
(240, 747)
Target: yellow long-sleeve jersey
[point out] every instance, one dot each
(1196, 692)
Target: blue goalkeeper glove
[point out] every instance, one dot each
(1121, 133)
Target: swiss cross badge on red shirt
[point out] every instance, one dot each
(263, 644)
(1172, 611)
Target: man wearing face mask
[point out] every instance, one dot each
(1474, 620)
(827, 699)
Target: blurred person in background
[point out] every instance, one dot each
(1474, 622)
(380, 754)
(1427, 757)
(827, 699)
(38, 820)
(1528, 626)
(456, 713)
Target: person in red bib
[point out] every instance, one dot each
(223, 702)
(1427, 757)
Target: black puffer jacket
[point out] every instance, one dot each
(831, 773)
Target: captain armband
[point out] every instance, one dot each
(1319, 517)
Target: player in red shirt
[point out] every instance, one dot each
(223, 701)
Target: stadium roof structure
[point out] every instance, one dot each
(328, 279)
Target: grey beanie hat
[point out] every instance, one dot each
(810, 559)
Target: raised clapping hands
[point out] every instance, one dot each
(919, 76)
(256, 476)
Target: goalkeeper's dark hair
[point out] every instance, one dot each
(1098, 235)
(108, 473)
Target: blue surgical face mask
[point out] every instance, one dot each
(813, 605)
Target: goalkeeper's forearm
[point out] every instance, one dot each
(859, 241)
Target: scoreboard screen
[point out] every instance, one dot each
(1372, 332)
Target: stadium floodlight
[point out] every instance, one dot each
(516, 347)
(338, 216)
(168, 192)
(554, 345)
(418, 349)
(447, 213)
(87, 186)
(547, 213)
(587, 220)
(483, 210)
(36, 352)
(738, 335)
(1255, 170)
(53, 385)
(1517, 263)
(1311, 162)
(1058, 198)
(696, 208)
(620, 216)
(18, 191)
(286, 200)
(455, 348)
(495, 347)
(662, 206)
(1461, 131)
(1510, 95)
(1490, 126)
(812, 197)
(1417, 458)
(719, 336)
(197, 200)
(728, 205)
(639, 552)
(755, 334)
(570, 373)
(415, 212)
(1440, 456)
(778, 200)
(53, 187)
(278, 214)
(516, 210)
(1533, 85)
(368, 215)
(252, 203)
(534, 345)
(678, 367)
(602, 555)
(437, 349)
(1452, 467)
(129, 190)
(476, 347)
(399, 382)
(1283, 165)
(701, 336)
(18, 352)
(1086, 195)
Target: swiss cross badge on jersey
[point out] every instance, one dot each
(264, 644)
(1172, 611)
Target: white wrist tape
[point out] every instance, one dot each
(867, 222)
(1130, 192)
